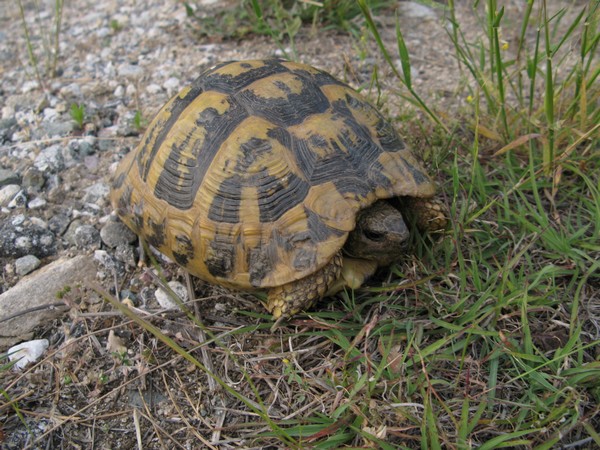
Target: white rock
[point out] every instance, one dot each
(8, 192)
(165, 300)
(27, 352)
(153, 89)
(29, 86)
(415, 10)
(130, 90)
(37, 202)
(130, 71)
(171, 85)
(50, 113)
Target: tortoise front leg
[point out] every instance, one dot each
(291, 298)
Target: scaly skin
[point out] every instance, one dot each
(286, 300)
(428, 214)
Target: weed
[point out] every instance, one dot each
(50, 38)
(78, 114)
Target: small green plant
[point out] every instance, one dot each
(78, 114)
(64, 291)
(138, 120)
(115, 26)
(50, 38)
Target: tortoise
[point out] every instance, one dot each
(274, 175)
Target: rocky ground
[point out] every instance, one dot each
(120, 60)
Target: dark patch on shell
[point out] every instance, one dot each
(184, 249)
(220, 259)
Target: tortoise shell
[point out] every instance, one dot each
(252, 177)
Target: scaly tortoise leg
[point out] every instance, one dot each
(428, 214)
(286, 300)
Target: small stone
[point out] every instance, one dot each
(171, 85)
(59, 129)
(18, 201)
(104, 258)
(114, 234)
(165, 300)
(26, 264)
(27, 352)
(58, 224)
(415, 10)
(38, 222)
(50, 114)
(125, 254)
(91, 163)
(119, 91)
(95, 192)
(130, 71)
(87, 237)
(80, 148)
(71, 90)
(33, 179)
(7, 193)
(50, 159)
(131, 90)
(153, 89)
(29, 86)
(7, 123)
(25, 238)
(8, 177)
(36, 203)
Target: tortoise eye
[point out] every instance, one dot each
(374, 235)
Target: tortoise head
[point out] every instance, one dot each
(380, 234)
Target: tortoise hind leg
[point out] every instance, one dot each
(286, 300)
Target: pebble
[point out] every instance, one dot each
(114, 234)
(58, 224)
(153, 89)
(8, 177)
(104, 258)
(96, 192)
(59, 129)
(87, 237)
(27, 352)
(130, 71)
(50, 159)
(126, 254)
(171, 85)
(80, 148)
(33, 179)
(26, 264)
(8, 192)
(18, 239)
(415, 10)
(19, 200)
(37, 203)
(165, 299)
